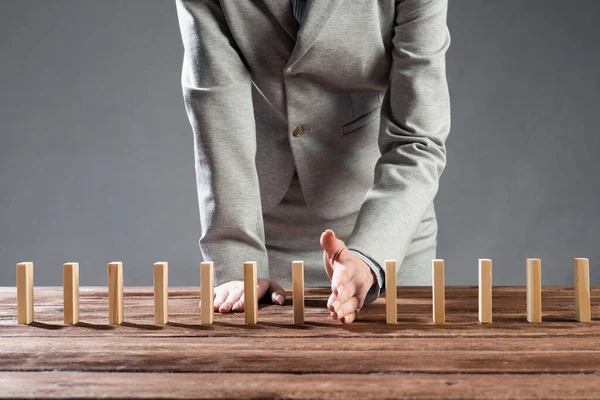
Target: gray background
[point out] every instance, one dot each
(96, 156)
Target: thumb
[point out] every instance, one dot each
(277, 293)
(332, 245)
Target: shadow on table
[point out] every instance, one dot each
(142, 326)
(43, 325)
(100, 327)
(215, 325)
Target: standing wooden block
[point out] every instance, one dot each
(250, 295)
(439, 307)
(206, 292)
(71, 293)
(534, 290)
(298, 291)
(485, 291)
(161, 293)
(391, 293)
(115, 293)
(25, 293)
(581, 275)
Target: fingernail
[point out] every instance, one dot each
(331, 231)
(335, 305)
(235, 307)
(280, 299)
(224, 307)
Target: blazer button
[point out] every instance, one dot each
(299, 131)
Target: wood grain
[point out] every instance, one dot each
(298, 291)
(414, 319)
(485, 291)
(322, 358)
(207, 292)
(325, 355)
(161, 292)
(250, 295)
(534, 290)
(24, 274)
(293, 386)
(71, 292)
(581, 277)
(391, 293)
(115, 293)
(438, 292)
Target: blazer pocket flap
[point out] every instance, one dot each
(361, 121)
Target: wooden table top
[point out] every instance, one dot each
(322, 358)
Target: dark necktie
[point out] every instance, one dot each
(298, 7)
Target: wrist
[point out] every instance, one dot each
(378, 284)
(369, 276)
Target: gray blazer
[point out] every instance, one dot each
(356, 102)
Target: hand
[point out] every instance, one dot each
(351, 278)
(230, 295)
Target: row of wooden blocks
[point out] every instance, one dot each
(161, 313)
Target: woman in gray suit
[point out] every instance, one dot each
(320, 133)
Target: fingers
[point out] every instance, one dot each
(347, 308)
(263, 288)
(232, 298)
(348, 290)
(342, 275)
(239, 305)
(333, 249)
(349, 318)
(329, 241)
(327, 265)
(277, 293)
(220, 296)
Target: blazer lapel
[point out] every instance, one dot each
(282, 11)
(316, 16)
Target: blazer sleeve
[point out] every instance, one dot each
(217, 92)
(414, 125)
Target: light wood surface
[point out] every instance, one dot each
(321, 358)
(485, 291)
(250, 295)
(71, 292)
(207, 292)
(115, 293)
(161, 292)
(438, 292)
(391, 298)
(298, 291)
(25, 292)
(534, 290)
(581, 277)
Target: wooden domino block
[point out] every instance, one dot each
(250, 293)
(25, 293)
(439, 308)
(206, 292)
(115, 293)
(581, 276)
(391, 293)
(298, 291)
(534, 290)
(161, 293)
(485, 291)
(71, 293)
